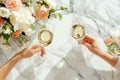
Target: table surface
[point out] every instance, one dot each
(65, 59)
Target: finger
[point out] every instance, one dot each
(81, 42)
(88, 36)
(42, 51)
(39, 48)
(35, 46)
(88, 39)
(36, 50)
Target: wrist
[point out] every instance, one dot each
(107, 57)
(19, 55)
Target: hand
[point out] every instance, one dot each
(31, 50)
(92, 44)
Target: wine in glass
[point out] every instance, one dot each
(45, 37)
(78, 32)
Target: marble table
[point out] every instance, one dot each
(65, 59)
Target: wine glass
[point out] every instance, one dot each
(78, 32)
(44, 38)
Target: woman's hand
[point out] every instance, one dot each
(92, 44)
(25, 53)
(31, 50)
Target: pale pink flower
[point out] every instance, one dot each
(13, 4)
(108, 39)
(42, 12)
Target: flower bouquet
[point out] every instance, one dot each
(18, 18)
(113, 42)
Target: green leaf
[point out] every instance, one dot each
(60, 16)
(52, 10)
(32, 27)
(43, 26)
(63, 8)
(6, 36)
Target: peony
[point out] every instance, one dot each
(42, 12)
(23, 15)
(31, 9)
(13, 4)
(25, 28)
(22, 20)
(14, 17)
(4, 12)
(51, 3)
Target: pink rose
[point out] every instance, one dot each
(13, 4)
(42, 12)
(108, 40)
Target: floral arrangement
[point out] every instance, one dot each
(18, 17)
(113, 42)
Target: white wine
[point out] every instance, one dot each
(45, 37)
(78, 32)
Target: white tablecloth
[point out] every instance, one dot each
(65, 60)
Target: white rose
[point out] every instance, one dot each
(14, 17)
(26, 16)
(31, 9)
(51, 3)
(22, 19)
(4, 12)
(26, 28)
(28, 31)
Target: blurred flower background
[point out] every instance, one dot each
(18, 18)
(113, 42)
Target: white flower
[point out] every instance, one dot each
(22, 19)
(4, 12)
(31, 9)
(51, 3)
(26, 16)
(14, 17)
(25, 27)
(28, 31)
(7, 31)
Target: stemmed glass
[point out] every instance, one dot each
(44, 38)
(78, 28)
(78, 32)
